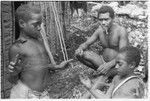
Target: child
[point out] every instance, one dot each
(29, 61)
(126, 84)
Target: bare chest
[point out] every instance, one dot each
(34, 54)
(109, 40)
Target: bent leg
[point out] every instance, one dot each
(91, 59)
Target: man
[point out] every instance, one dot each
(29, 59)
(112, 37)
(124, 85)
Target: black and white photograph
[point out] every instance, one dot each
(74, 49)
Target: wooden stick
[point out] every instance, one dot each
(46, 44)
(61, 32)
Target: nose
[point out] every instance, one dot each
(39, 28)
(117, 66)
(103, 22)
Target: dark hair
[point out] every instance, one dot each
(105, 9)
(24, 11)
(132, 54)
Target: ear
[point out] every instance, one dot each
(132, 65)
(21, 23)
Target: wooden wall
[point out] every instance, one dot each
(7, 38)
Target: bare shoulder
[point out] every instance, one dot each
(16, 46)
(99, 30)
(121, 30)
(134, 83)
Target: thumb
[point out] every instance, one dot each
(15, 60)
(69, 60)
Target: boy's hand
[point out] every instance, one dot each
(79, 52)
(13, 65)
(85, 81)
(65, 64)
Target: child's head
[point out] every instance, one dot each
(127, 59)
(29, 18)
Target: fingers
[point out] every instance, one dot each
(99, 70)
(79, 52)
(69, 60)
(12, 63)
(16, 59)
(83, 76)
(10, 68)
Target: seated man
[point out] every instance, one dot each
(125, 84)
(112, 37)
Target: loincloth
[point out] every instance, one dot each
(20, 90)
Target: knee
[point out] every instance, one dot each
(84, 55)
(87, 54)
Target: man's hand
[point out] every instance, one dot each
(79, 52)
(106, 66)
(64, 64)
(85, 81)
(103, 68)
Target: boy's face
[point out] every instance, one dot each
(105, 20)
(33, 26)
(122, 66)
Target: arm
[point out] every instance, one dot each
(60, 66)
(106, 66)
(123, 42)
(91, 40)
(100, 83)
(94, 91)
(14, 55)
(98, 94)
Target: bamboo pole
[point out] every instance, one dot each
(46, 44)
(59, 27)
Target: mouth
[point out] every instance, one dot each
(104, 27)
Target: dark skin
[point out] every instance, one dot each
(112, 37)
(131, 89)
(30, 58)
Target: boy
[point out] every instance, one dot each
(126, 84)
(29, 60)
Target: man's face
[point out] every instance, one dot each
(33, 26)
(122, 66)
(105, 20)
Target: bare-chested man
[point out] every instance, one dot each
(28, 57)
(112, 37)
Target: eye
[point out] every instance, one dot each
(100, 19)
(106, 19)
(35, 24)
